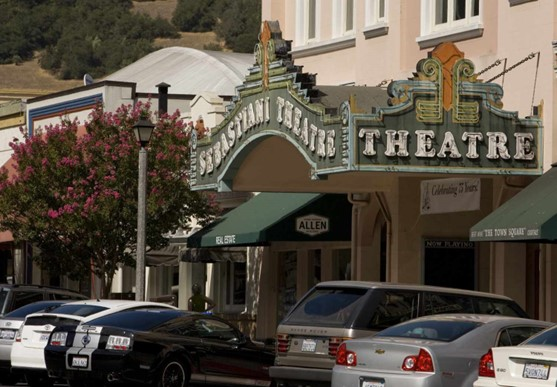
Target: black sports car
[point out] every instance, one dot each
(164, 348)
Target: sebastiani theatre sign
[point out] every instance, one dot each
(444, 120)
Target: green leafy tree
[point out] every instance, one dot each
(74, 195)
(194, 15)
(239, 24)
(78, 36)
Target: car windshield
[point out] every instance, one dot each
(138, 319)
(34, 308)
(546, 337)
(78, 309)
(431, 329)
(327, 307)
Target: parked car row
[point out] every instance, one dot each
(340, 334)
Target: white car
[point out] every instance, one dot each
(27, 354)
(531, 363)
(9, 325)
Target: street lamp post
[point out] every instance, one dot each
(143, 130)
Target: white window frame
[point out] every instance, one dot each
(432, 34)
(340, 16)
(302, 22)
(375, 23)
(303, 47)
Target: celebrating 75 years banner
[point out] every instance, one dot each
(449, 195)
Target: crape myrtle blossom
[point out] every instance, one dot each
(74, 191)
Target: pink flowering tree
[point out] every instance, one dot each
(74, 193)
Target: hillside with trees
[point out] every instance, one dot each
(98, 37)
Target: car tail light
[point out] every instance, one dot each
(422, 362)
(19, 333)
(118, 343)
(486, 365)
(334, 342)
(345, 357)
(283, 343)
(58, 339)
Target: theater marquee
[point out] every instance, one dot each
(443, 120)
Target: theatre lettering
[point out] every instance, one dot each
(428, 124)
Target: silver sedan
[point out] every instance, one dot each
(434, 351)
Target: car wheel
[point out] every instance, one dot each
(39, 381)
(82, 383)
(173, 374)
(8, 379)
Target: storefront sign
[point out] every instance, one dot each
(442, 121)
(312, 225)
(449, 195)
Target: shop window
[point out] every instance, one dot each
(443, 20)
(375, 18)
(6, 267)
(341, 264)
(287, 282)
(450, 263)
(235, 284)
(315, 256)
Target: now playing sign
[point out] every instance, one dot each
(312, 224)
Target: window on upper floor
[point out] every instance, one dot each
(375, 12)
(307, 22)
(449, 13)
(308, 40)
(443, 20)
(343, 18)
(375, 18)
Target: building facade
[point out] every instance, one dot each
(372, 42)
(402, 229)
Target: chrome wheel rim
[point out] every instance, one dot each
(173, 375)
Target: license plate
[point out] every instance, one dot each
(309, 345)
(7, 334)
(536, 371)
(372, 383)
(80, 361)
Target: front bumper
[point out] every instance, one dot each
(102, 366)
(286, 376)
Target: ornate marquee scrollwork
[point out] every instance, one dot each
(429, 107)
(464, 112)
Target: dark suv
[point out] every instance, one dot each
(16, 296)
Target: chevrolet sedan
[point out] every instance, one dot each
(166, 348)
(434, 351)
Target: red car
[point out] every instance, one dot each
(167, 348)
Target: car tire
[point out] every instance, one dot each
(39, 381)
(83, 383)
(8, 379)
(173, 374)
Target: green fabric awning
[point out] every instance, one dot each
(530, 216)
(270, 217)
